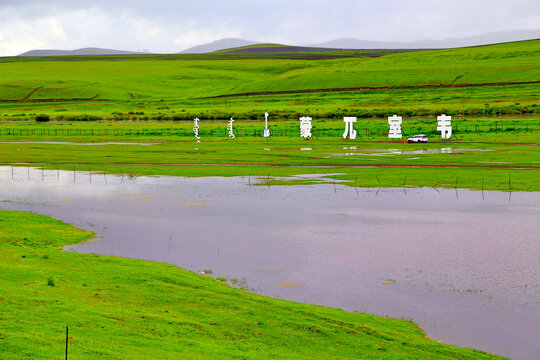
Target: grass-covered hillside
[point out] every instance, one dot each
(478, 80)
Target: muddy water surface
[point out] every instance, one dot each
(463, 265)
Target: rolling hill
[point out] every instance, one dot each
(218, 45)
(83, 51)
(484, 39)
(188, 81)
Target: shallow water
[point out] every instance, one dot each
(392, 152)
(76, 143)
(464, 266)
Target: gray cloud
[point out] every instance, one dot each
(171, 26)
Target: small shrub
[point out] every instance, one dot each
(42, 118)
(221, 279)
(50, 281)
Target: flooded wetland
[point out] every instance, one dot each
(462, 264)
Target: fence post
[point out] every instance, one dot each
(67, 341)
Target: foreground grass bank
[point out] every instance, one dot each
(129, 309)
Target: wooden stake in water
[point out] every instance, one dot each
(170, 242)
(105, 175)
(356, 187)
(335, 191)
(90, 172)
(405, 191)
(510, 187)
(249, 180)
(483, 189)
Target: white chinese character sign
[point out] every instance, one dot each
(196, 130)
(395, 127)
(349, 127)
(305, 127)
(444, 125)
(266, 132)
(230, 128)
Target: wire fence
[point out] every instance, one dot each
(457, 128)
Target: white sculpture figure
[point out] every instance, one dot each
(305, 127)
(266, 132)
(196, 130)
(444, 125)
(349, 127)
(230, 128)
(395, 127)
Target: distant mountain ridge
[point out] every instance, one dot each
(83, 51)
(221, 44)
(484, 39)
(338, 44)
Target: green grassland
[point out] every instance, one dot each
(477, 80)
(130, 309)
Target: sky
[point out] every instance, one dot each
(168, 26)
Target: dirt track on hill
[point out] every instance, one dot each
(440, 86)
(27, 98)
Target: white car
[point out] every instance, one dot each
(418, 139)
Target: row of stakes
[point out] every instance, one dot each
(58, 174)
(434, 187)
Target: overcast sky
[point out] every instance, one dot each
(174, 25)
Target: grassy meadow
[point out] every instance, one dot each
(130, 309)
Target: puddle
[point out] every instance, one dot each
(75, 143)
(465, 269)
(493, 162)
(392, 152)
